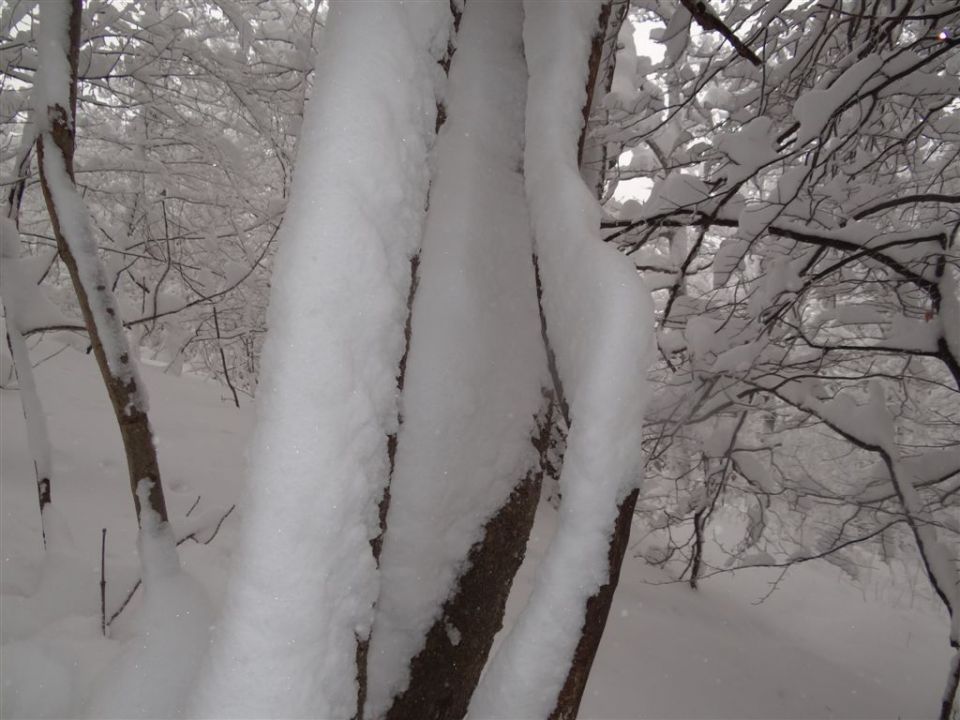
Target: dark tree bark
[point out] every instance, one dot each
(445, 673)
(595, 617)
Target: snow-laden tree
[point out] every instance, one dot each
(373, 571)
(144, 679)
(188, 119)
(457, 314)
(802, 229)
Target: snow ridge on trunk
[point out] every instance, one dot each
(476, 364)
(599, 322)
(21, 296)
(305, 580)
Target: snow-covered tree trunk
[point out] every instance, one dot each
(300, 603)
(16, 293)
(598, 322)
(152, 672)
(593, 161)
(593, 150)
(466, 483)
(55, 92)
(38, 439)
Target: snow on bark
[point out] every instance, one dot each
(599, 321)
(77, 231)
(815, 107)
(305, 579)
(51, 87)
(950, 301)
(476, 364)
(78, 247)
(161, 661)
(939, 560)
(21, 298)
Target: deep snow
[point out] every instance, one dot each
(819, 647)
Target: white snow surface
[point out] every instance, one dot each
(150, 676)
(750, 149)
(819, 647)
(814, 108)
(305, 581)
(476, 364)
(51, 85)
(599, 319)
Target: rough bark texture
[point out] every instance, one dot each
(593, 157)
(445, 673)
(594, 73)
(125, 396)
(595, 618)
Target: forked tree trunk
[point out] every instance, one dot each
(445, 673)
(78, 250)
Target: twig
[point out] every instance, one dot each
(103, 582)
(223, 358)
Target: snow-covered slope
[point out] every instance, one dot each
(819, 647)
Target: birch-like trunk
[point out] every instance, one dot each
(56, 87)
(38, 437)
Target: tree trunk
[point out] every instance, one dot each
(598, 606)
(595, 617)
(446, 671)
(78, 250)
(363, 644)
(38, 438)
(593, 157)
(950, 692)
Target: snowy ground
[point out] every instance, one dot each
(818, 647)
